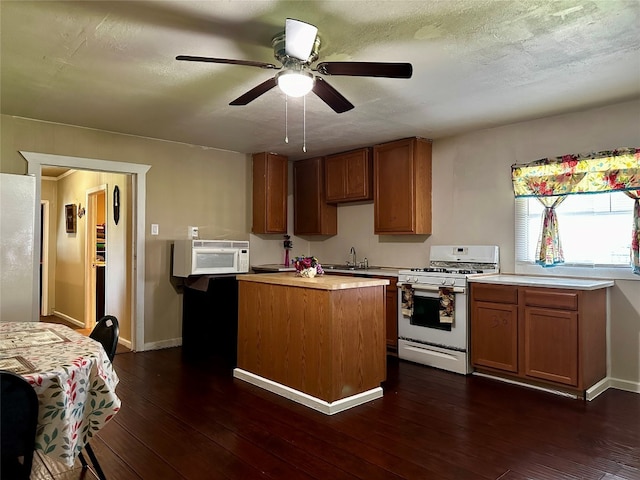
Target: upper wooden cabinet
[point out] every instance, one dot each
(311, 214)
(270, 176)
(348, 176)
(402, 187)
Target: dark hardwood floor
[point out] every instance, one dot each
(193, 420)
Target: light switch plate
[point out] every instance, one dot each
(192, 232)
(154, 229)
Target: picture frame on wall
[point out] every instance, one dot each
(70, 217)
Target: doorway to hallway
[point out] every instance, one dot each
(133, 245)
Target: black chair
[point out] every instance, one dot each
(19, 420)
(106, 332)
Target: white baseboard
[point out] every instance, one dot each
(597, 389)
(69, 319)
(618, 384)
(626, 385)
(78, 323)
(307, 400)
(590, 394)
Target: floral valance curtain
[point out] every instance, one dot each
(551, 179)
(597, 172)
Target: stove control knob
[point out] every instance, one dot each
(444, 281)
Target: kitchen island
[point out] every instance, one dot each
(318, 341)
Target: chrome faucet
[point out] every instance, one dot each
(352, 252)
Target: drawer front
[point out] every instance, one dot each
(494, 293)
(550, 298)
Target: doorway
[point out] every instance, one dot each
(96, 255)
(78, 271)
(135, 242)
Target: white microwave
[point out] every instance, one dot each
(210, 257)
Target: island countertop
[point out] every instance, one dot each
(543, 281)
(374, 271)
(320, 282)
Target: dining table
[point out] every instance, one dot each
(73, 377)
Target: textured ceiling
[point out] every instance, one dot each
(476, 63)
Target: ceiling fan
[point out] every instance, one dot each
(296, 49)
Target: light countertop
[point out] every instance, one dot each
(366, 272)
(321, 282)
(272, 267)
(543, 281)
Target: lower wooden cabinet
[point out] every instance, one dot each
(551, 345)
(545, 336)
(391, 308)
(495, 336)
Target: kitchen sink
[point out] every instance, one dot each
(334, 266)
(337, 267)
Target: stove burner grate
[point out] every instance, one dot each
(446, 270)
(432, 269)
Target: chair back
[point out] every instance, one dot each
(106, 332)
(18, 424)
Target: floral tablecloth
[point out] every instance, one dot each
(73, 378)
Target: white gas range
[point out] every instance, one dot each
(432, 305)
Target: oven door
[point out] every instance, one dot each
(424, 325)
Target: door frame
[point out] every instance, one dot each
(89, 255)
(44, 252)
(138, 171)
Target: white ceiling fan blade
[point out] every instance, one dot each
(299, 38)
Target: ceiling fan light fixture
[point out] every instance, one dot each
(295, 83)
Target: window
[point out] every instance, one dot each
(595, 231)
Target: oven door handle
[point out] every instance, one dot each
(434, 288)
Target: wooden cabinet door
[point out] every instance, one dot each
(359, 175)
(311, 214)
(494, 336)
(551, 345)
(402, 187)
(348, 176)
(270, 176)
(335, 176)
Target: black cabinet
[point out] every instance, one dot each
(210, 320)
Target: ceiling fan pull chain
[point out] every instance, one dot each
(286, 119)
(304, 124)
